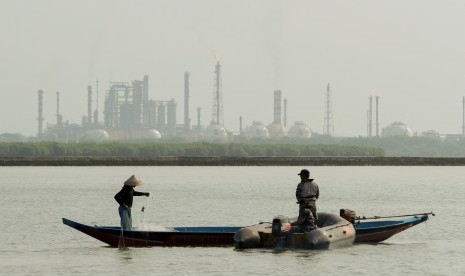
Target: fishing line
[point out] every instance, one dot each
(142, 210)
(121, 244)
(74, 238)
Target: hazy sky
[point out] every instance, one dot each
(410, 53)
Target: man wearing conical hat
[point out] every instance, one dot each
(124, 198)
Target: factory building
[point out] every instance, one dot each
(129, 114)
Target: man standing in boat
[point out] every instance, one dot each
(307, 193)
(124, 198)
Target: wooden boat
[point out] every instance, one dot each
(378, 229)
(367, 230)
(178, 236)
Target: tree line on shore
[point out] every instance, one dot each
(316, 146)
(50, 149)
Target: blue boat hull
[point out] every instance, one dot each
(379, 230)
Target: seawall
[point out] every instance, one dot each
(232, 161)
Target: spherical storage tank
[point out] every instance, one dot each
(277, 130)
(256, 130)
(150, 134)
(96, 135)
(216, 133)
(397, 129)
(300, 130)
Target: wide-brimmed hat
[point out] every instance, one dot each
(133, 181)
(304, 172)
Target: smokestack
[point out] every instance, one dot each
(370, 116)
(40, 119)
(96, 105)
(240, 125)
(277, 106)
(377, 122)
(187, 120)
(89, 106)
(145, 102)
(285, 112)
(198, 118)
(59, 118)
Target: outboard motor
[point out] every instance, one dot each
(348, 215)
(280, 226)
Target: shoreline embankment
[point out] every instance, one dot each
(231, 161)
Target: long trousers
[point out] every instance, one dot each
(126, 219)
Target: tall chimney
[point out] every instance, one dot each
(240, 125)
(377, 121)
(277, 106)
(89, 106)
(198, 118)
(370, 116)
(96, 105)
(145, 102)
(463, 116)
(59, 118)
(40, 119)
(187, 120)
(285, 112)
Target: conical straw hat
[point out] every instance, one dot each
(133, 181)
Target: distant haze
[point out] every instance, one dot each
(410, 53)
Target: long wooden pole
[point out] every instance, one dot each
(379, 217)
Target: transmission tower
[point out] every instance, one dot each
(328, 124)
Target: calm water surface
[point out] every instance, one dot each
(35, 242)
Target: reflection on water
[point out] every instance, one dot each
(125, 253)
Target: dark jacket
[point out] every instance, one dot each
(125, 195)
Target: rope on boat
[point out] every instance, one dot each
(398, 216)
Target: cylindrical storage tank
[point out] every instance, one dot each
(397, 129)
(300, 130)
(256, 130)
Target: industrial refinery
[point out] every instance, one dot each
(130, 114)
